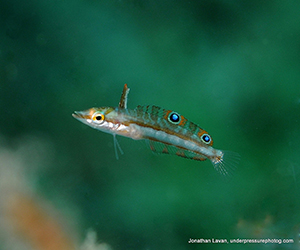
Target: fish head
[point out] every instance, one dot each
(94, 117)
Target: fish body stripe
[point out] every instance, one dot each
(136, 126)
(158, 121)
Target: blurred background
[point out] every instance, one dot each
(233, 67)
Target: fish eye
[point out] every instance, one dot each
(98, 117)
(206, 138)
(174, 118)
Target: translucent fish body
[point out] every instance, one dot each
(166, 131)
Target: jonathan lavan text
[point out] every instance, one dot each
(212, 240)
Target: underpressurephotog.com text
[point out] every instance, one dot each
(240, 241)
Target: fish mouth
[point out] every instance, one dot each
(81, 115)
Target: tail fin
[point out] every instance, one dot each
(226, 162)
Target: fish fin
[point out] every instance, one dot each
(226, 162)
(159, 117)
(151, 109)
(163, 148)
(123, 100)
(117, 146)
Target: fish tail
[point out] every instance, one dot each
(225, 162)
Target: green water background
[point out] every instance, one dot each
(233, 67)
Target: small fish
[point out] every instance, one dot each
(166, 131)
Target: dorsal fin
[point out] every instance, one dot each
(151, 109)
(123, 100)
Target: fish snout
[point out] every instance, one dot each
(81, 115)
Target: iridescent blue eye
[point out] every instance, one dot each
(174, 118)
(205, 138)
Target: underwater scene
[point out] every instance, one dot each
(203, 152)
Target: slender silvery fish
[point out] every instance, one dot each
(166, 131)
